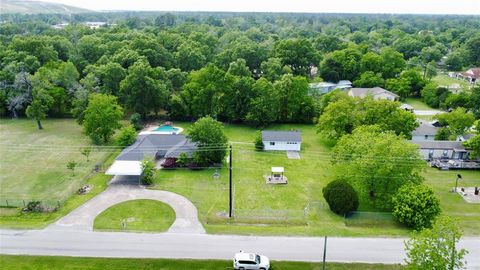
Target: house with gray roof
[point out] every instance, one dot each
(155, 146)
(424, 132)
(442, 150)
(375, 92)
(282, 140)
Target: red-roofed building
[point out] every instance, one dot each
(472, 75)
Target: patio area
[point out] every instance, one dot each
(469, 194)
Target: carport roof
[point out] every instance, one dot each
(125, 167)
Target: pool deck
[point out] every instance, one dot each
(151, 130)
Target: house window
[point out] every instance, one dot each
(272, 143)
(445, 153)
(426, 137)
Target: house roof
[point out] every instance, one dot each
(473, 72)
(425, 129)
(445, 145)
(148, 145)
(363, 92)
(282, 136)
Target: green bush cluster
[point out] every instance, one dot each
(341, 197)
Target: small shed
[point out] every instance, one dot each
(282, 140)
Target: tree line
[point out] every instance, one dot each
(252, 68)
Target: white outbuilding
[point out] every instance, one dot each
(282, 140)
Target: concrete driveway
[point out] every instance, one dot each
(82, 218)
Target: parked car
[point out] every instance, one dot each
(250, 261)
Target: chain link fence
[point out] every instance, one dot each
(22, 203)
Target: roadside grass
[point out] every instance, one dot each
(136, 215)
(417, 104)
(15, 262)
(25, 220)
(33, 165)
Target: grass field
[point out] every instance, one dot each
(444, 80)
(71, 263)
(33, 167)
(297, 208)
(417, 104)
(34, 161)
(137, 215)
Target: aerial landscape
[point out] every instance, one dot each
(199, 135)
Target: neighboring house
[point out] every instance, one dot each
(424, 132)
(282, 140)
(375, 92)
(442, 150)
(470, 75)
(465, 137)
(327, 87)
(156, 146)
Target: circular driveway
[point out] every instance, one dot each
(83, 217)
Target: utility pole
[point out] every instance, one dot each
(324, 252)
(230, 188)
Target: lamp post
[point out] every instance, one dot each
(456, 181)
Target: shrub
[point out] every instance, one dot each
(136, 121)
(416, 206)
(443, 134)
(148, 167)
(259, 142)
(126, 136)
(341, 197)
(182, 159)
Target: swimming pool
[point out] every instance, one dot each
(167, 129)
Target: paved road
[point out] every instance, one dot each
(205, 246)
(82, 218)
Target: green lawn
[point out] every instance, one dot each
(453, 204)
(70, 263)
(294, 209)
(136, 215)
(417, 104)
(34, 161)
(34, 167)
(444, 80)
(297, 208)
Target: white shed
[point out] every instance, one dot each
(282, 140)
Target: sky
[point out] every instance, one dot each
(316, 6)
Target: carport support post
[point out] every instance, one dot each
(230, 186)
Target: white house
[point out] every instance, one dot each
(282, 140)
(424, 132)
(375, 92)
(442, 150)
(471, 75)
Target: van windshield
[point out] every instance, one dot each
(257, 259)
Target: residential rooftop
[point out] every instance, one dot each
(282, 136)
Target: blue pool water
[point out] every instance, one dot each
(167, 129)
